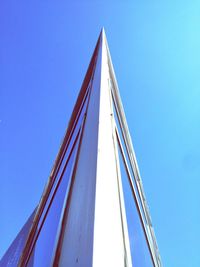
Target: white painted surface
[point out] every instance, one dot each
(108, 235)
(96, 231)
(77, 249)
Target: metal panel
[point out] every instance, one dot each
(77, 248)
(109, 243)
(134, 165)
(52, 176)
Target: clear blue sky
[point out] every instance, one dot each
(45, 48)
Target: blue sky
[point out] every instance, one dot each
(45, 49)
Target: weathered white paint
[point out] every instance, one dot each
(77, 248)
(109, 243)
(95, 234)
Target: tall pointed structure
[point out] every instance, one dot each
(93, 211)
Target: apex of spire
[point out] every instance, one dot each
(103, 30)
(102, 34)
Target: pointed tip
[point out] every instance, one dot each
(102, 34)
